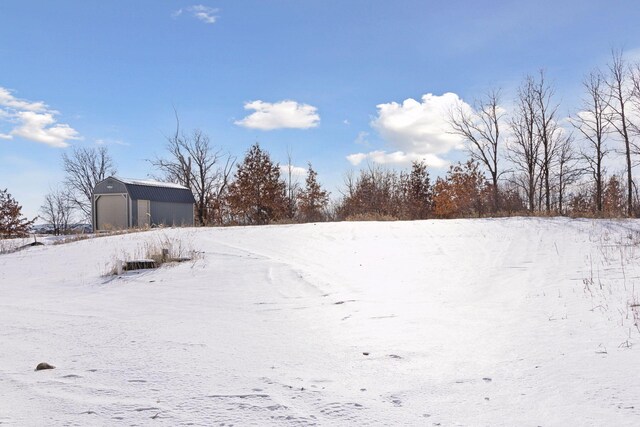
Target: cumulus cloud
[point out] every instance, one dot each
(396, 158)
(296, 171)
(7, 100)
(34, 121)
(280, 115)
(415, 130)
(202, 13)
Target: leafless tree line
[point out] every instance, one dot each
(194, 162)
(549, 158)
(84, 167)
(538, 161)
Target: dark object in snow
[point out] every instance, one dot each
(28, 245)
(44, 365)
(140, 264)
(366, 353)
(486, 379)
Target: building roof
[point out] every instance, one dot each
(148, 182)
(140, 189)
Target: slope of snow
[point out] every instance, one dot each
(464, 322)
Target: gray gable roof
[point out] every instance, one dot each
(160, 194)
(155, 190)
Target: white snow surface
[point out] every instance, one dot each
(485, 322)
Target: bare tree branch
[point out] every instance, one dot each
(84, 168)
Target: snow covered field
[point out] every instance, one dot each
(464, 322)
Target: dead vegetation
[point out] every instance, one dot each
(155, 251)
(617, 297)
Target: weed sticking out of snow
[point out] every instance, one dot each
(612, 281)
(153, 252)
(8, 246)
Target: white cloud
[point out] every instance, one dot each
(34, 121)
(7, 100)
(397, 158)
(42, 127)
(202, 13)
(415, 130)
(419, 127)
(296, 171)
(280, 115)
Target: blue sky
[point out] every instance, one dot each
(326, 80)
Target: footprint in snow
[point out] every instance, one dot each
(148, 408)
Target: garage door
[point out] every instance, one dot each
(111, 212)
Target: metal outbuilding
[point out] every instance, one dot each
(120, 203)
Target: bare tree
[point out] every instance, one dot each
(293, 188)
(57, 209)
(349, 181)
(524, 146)
(634, 73)
(593, 122)
(567, 170)
(547, 129)
(84, 168)
(481, 128)
(375, 193)
(195, 163)
(619, 87)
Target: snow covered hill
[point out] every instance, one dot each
(464, 322)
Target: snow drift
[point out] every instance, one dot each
(462, 322)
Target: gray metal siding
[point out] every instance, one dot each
(111, 212)
(160, 194)
(143, 214)
(134, 213)
(172, 214)
(103, 187)
(168, 205)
